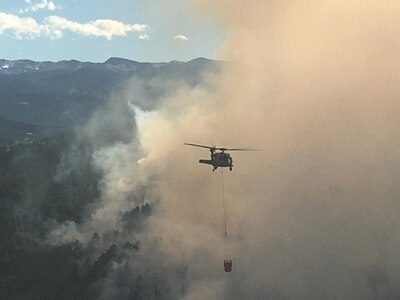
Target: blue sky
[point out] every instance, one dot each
(94, 30)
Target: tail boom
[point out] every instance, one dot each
(205, 161)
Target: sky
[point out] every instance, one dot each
(95, 30)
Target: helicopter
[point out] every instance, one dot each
(219, 156)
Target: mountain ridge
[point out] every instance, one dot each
(65, 94)
(26, 65)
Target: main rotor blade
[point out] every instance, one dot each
(221, 148)
(201, 146)
(240, 149)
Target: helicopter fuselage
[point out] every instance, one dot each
(219, 159)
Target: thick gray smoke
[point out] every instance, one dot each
(315, 215)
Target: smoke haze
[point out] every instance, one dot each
(315, 84)
(315, 215)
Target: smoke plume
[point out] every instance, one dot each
(315, 84)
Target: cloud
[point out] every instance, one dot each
(21, 27)
(44, 4)
(144, 36)
(181, 37)
(99, 28)
(55, 26)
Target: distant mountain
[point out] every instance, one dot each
(115, 64)
(66, 93)
(29, 66)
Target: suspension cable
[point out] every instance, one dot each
(223, 200)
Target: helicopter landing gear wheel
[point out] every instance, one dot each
(230, 168)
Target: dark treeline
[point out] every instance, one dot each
(32, 197)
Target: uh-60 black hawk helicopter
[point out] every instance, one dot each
(219, 156)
